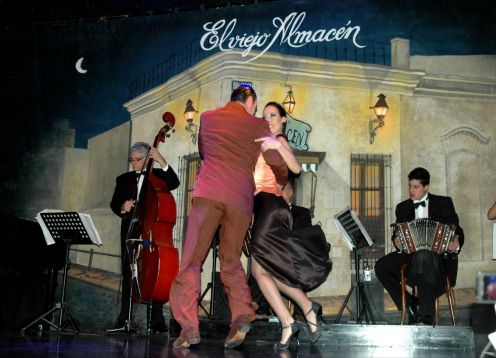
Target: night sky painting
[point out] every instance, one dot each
(76, 64)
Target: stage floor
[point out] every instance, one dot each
(338, 340)
(34, 344)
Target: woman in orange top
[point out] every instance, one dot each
(272, 262)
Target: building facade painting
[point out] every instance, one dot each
(443, 122)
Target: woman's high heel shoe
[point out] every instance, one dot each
(317, 309)
(295, 330)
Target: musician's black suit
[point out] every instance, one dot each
(441, 209)
(125, 189)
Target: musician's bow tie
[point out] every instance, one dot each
(420, 203)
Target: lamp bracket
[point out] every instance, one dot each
(374, 125)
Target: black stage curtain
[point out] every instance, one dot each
(28, 271)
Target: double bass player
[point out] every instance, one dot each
(127, 188)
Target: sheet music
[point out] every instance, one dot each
(352, 230)
(85, 219)
(46, 233)
(90, 228)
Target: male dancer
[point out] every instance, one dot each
(223, 195)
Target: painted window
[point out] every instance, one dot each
(370, 192)
(189, 166)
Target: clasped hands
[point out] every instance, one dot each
(269, 142)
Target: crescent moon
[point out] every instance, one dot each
(78, 66)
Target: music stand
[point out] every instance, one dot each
(356, 238)
(66, 227)
(212, 286)
(132, 248)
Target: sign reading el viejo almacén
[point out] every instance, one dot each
(220, 35)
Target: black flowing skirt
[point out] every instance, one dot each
(298, 258)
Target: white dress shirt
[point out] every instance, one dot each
(422, 211)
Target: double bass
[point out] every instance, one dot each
(153, 220)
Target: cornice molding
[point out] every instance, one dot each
(277, 67)
(304, 70)
(455, 86)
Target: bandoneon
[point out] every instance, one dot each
(425, 234)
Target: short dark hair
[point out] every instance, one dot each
(420, 174)
(242, 92)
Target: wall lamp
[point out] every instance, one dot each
(289, 102)
(381, 108)
(189, 114)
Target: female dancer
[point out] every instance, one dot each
(272, 254)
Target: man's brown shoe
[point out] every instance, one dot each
(236, 337)
(185, 342)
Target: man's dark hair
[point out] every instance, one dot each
(420, 174)
(242, 93)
